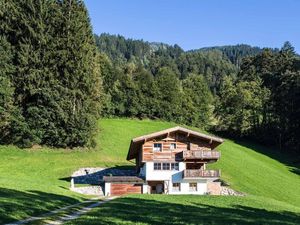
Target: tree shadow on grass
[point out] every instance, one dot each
(96, 178)
(17, 205)
(135, 210)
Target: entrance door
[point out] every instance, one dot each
(159, 188)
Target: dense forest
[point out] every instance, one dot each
(239, 91)
(50, 78)
(57, 79)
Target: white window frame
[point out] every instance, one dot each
(193, 189)
(175, 189)
(167, 166)
(156, 167)
(157, 149)
(173, 144)
(174, 166)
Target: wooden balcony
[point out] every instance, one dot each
(201, 154)
(201, 173)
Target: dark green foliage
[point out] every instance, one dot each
(213, 65)
(153, 56)
(51, 81)
(197, 104)
(168, 94)
(235, 53)
(57, 85)
(240, 106)
(251, 92)
(147, 93)
(121, 50)
(268, 86)
(7, 107)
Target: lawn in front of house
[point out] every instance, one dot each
(34, 181)
(189, 209)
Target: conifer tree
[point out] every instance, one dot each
(57, 84)
(7, 107)
(78, 73)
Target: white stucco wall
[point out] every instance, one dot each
(185, 188)
(107, 189)
(150, 174)
(170, 177)
(145, 189)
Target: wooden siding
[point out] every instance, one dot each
(123, 189)
(165, 154)
(201, 154)
(183, 143)
(201, 173)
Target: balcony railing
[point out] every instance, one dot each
(201, 154)
(201, 173)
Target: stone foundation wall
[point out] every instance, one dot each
(214, 188)
(89, 190)
(229, 191)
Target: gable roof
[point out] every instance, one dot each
(137, 142)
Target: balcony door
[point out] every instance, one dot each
(194, 166)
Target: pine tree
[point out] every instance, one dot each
(197, 93)
(77, 70)
(57, 81)
(168, 94)
(7, 107)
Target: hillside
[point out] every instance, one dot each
(34, 181)
(235, 53)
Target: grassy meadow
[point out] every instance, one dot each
(33, 181)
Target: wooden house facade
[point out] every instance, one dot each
(172, 161)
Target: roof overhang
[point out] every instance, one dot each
(137, 142)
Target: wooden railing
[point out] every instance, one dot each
(201, 154)
(201, 173)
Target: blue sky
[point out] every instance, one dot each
(199, 23)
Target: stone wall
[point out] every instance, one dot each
(89, 190)
(229, 191)
(214, 188)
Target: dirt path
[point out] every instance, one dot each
(59, 216)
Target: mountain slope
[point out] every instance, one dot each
(36, 180)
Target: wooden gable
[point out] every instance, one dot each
(141, 148)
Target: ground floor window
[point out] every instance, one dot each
(193, 186)
(157, 166)
(166, 166)
(174, 166)
(176, 187)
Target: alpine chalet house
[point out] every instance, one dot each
(172, 161)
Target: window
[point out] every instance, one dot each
(173, 146)
(174, 166)
(157, 147)
(157, 166)
(166, 166)
(176, 187)
(193, 186)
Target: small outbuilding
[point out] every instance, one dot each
(121, 185)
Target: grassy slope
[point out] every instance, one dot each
(188, 209)
(32, 181)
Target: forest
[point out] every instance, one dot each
(57, 79)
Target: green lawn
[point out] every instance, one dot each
(34, 181)
(156, 209)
